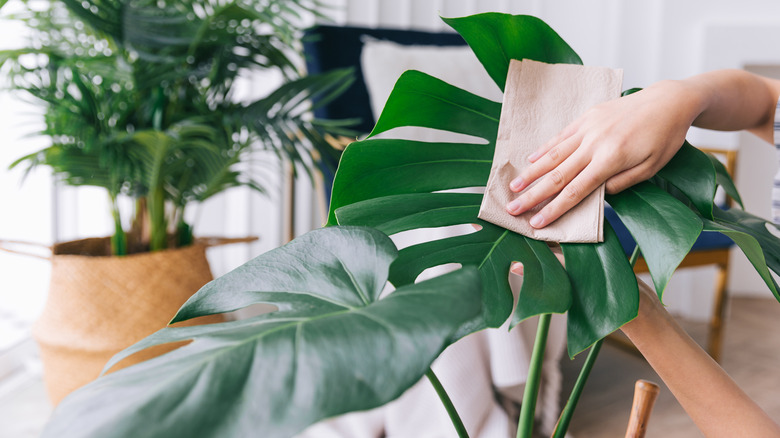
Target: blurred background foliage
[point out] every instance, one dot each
(139, 98)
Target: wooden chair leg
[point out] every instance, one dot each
(715, 340)
(645, 393)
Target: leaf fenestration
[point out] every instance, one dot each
(331, 347)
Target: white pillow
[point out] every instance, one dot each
(384, 61)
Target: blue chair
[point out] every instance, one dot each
(711, 248)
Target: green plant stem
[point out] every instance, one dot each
(568, 411)
(445, 399)
(119, 238)
(158, 236)
(527, 409)
(574, 397)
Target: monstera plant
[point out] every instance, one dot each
(333, 346)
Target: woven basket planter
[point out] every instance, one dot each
(100, 304)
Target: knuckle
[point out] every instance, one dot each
(554, 154)
(572, 192)
(556, 177)
(646, 173)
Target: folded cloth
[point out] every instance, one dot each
(539, 101)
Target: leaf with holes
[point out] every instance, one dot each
(396, 185)
(333, 346)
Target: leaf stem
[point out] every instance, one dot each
(527, 409)
(634, 256)
(119, 238)
(568, 411)
(574, 397)
(445, 399)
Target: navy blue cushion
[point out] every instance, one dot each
(707, 239)
(332, 47)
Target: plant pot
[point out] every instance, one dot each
(100, 304)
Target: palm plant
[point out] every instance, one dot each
(139, 99)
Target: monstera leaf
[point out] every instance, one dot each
(663, 227)
(333, 346)
(752, 235)
(398, 185)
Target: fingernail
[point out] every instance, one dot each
(516, 184)
(537, 221)
(515, 206)
(533, 157)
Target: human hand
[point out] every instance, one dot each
(620, 142)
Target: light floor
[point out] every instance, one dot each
(750, 354)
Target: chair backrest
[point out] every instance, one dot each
(331, 47)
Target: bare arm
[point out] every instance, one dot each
(718, 407)
(627, 140)
(709, 396)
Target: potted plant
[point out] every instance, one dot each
(139, 99)
(333, 346)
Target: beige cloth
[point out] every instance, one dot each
(539, 101)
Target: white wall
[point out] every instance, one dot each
(25, 214)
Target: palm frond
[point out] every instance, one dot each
(138, 95)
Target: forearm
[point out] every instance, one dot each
(624, 141)
(711, 398)
(729, 100)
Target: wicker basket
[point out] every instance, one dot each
(100, 304)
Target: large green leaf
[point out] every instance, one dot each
(724, 180)
(663, 227)
(391, 184)
(396, 185)
(752, 235)
(374, 168)
(692, 173)
(545, 288)
(498, 38)
(606, 295)
(418, 99)
(332, 347)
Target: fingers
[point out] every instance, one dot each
(555, 181)
(559, 138)
(628, 178)
(552, 157)
(574, 192)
